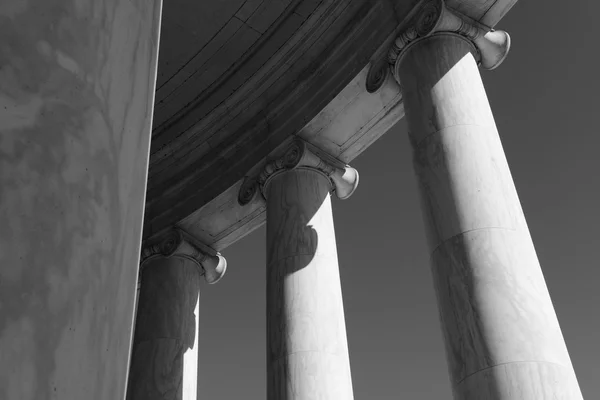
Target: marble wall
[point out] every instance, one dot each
(77, 82)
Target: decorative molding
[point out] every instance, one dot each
(247, 191)
(379, 70)
(344, 180)
(434, 16)
(177, 243)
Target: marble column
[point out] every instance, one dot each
(164, 360)
(307, 350)
(502, 336)
(77, 82)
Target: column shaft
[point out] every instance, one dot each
(306, 334)
(164, 359)
(502, 336)
(77, 82)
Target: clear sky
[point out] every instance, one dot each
(545, 105)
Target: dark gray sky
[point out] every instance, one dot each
(545, 105)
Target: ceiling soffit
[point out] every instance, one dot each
(300, 62)
(237, 78)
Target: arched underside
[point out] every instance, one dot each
(238, 79)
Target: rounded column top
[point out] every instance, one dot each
(177, 243)
(344, 180)
(434, 17)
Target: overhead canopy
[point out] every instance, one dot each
(237, 78)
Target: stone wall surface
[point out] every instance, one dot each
(77, 80)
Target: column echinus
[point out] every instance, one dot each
(501, 333)
(307, 349)
(77, 83)
(164, 359)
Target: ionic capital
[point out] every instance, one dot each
(344, 180)
(433, 16)
(177, 243)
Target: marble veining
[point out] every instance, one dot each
(502, 337)
(520, 381)
(76, 96)
(494, 304)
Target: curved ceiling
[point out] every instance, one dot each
(225, 101)
(236, 78)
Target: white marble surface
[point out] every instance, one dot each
(501, 333)
(307, 349)
(76, 97)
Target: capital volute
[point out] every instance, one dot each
(434, 17)
(177, 243)
(344, 179)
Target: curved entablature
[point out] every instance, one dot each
(206, 153)
(306, 68)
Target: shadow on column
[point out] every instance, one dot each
(501, 333)
(165, 330)
(306, 336)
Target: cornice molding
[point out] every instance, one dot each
(177, 243)
(433, 16)
(344, 180)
